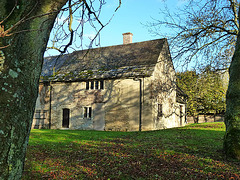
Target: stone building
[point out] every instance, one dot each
(127, 87)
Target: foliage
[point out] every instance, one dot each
(212, 92)
(205, 90)
(191, 152)
(187, 81)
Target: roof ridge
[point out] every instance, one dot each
(144, 54)
(118, 45)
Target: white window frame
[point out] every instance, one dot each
(87, 112)
(95, 85)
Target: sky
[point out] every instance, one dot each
(130, 17)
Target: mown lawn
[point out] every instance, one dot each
(191, 152)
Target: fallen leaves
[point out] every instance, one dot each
(146, 155)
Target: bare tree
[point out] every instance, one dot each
(207, 32)
(67, 33)
(25, 26)
(200, 32)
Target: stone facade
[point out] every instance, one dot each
(142, 98)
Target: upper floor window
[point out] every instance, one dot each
(94, 85)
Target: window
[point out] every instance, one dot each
(87, 85)
(181, 110)
(87, 112)
(40, 116)
(101, 85)
(160, 111)
(94, 85)
(181, 115)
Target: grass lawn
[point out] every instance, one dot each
(191, 152)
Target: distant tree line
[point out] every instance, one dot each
(206, 91)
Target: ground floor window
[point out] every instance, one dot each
(160, 110)
(87, 112)
(181, 115)
(39, 117)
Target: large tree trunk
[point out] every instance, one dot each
(232, 116)
(20, 67)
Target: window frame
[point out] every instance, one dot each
(66, 117)
(159, 110)
(95, 85)
(87, 112)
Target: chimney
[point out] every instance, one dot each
(127, 38)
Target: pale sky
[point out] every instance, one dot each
(130, 17)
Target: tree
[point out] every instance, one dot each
(187, 81)
(205, 90)
(212, 91)
(202, 29)
(25, 26)
(207, 32)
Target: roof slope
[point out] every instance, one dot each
(129, 60)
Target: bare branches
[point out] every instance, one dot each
(200, 31)
(27, 17)
(70, 26)
(3, 32)
(10, 12)
(120, 2)
(234, 6)
(67, 29)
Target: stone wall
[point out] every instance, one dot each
(116, 107)
(122, 105)
(76, 98)
(41, 115)
(205, 118)
(113, 108)
(166, 110)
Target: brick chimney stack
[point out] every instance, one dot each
(127, 38)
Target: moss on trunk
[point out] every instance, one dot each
(19, 76)
(232, 116)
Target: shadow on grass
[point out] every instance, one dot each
(166, 154)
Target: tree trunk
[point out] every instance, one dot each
(232, 115)
(20, 67)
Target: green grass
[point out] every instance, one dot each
(191, 152)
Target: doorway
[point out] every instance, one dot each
(66, 115)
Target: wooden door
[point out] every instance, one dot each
(66, 115)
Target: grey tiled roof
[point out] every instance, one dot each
(129, 60)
